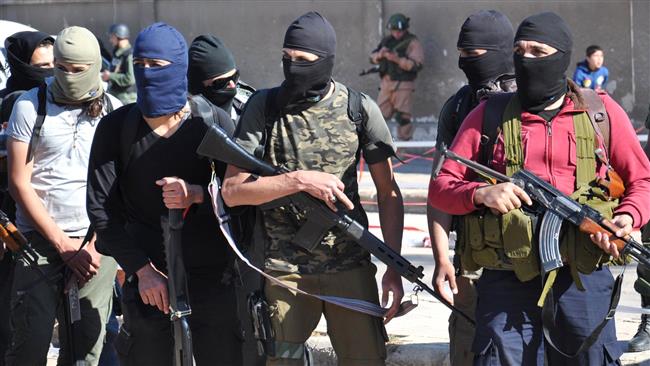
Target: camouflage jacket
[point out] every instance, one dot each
(320, 138)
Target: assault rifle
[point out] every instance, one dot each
(16, 243)
(179, 306)
(376, 68)
(557, 208)
(320, 219)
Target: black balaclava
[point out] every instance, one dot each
(308, 81)
(20, 48)
(209, 57)
(492, 31)
(541, 81)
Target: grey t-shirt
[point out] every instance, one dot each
(60, 156)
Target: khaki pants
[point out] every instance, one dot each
(33, 311)
(395, 96)
(461, 332)
(358, 339)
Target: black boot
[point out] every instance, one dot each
(641, 340)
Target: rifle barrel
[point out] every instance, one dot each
(476, 166)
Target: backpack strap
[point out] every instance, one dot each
(597, 115)
(271, 114)
(41, 112)
(356, 113)
(495, 106)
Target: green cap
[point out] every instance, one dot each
(398, 21)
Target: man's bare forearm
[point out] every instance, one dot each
(242, 189)
(439, 226)
(391, 217)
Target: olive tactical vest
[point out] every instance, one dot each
(509, 242)
(400, 47)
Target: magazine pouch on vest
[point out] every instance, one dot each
(509, 242)
(401, 48)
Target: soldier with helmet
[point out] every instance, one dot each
(121, 82)
(400, 56)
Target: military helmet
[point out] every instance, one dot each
(119, 30)
(398, 21)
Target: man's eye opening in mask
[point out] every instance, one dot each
(150, 62)
(533, 49)
(298, 55)
(227, 80)
(71, 68)
(471, 52)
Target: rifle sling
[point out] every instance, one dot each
(548, 320)
(360, 306)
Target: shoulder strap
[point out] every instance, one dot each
(108, 103)
(127, 136)
(356, 113)
(271, 114)
(41, 112)
(597, 115)
(492, 120)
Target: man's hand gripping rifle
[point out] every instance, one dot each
(557, 208)
(16, 243)
(320, 219)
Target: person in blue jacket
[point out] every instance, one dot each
(590, 73)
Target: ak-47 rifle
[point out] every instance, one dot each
(320, 219)
(179, 305)
(16, 242)
(557, 208)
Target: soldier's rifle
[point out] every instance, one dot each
(557, 208)
(375, 68)
(319, 218)
(179, 305)
(17, 244)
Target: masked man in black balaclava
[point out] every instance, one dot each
(546, 127)
(212, 72)
(485, 47)
(30, 58)
(304, 126)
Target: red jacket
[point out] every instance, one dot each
(550, 153)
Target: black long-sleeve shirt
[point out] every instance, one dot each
(126, 207)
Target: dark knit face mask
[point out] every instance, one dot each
(491, 31)
(483, 69)
(541, 81)
(221, 92)
(307, 79)
(161, 90)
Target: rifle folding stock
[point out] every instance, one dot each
(179, 305)
(557, 208)
(217, 145)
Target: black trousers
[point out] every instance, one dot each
(146, 337)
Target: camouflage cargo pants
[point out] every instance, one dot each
(358, 339)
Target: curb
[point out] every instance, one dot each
(402, 354)
(422, 354)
